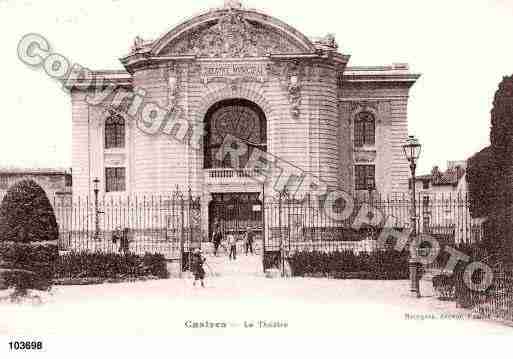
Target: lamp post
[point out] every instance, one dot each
(371, 185)
(96, 190)
(412, 150)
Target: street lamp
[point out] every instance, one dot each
(96, 190)
(412, 150)
(371, 185)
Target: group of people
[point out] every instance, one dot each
(231, 240)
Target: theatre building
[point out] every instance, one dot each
(239, 72)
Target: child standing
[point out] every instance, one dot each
(197, 262)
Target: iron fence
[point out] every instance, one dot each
(171, 225)
(497, 302)
(293, 225)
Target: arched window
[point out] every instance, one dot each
(239, 118)
(114, 132)
(364, 130)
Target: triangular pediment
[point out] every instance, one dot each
(234, 33)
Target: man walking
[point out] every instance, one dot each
(232, 243)
(249, 241)
(218, 237)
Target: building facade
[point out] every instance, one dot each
(444, 205)
(238, 72)
(56, 182)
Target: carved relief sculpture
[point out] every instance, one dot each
(232, 36)
(290, 75)
(172, 82)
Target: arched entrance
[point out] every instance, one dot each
(236, 203)
(234, 212)
(239, 118)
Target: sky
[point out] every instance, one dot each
(462, 49)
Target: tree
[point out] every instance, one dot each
(501, 138)
(26, 215)
(481, 172)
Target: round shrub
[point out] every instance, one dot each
(26, 215)
(26, 221)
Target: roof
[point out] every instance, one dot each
(391, 73)
(34, 171)
(451, 177)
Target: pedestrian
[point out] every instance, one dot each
(218, 237)
(232, 243)
(124, 243)
(116, 235)
(248, 241)
(197, 262)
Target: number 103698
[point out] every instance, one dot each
(25, 345)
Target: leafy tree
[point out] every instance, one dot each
(501, 138)
(26, 215)
(481, 172)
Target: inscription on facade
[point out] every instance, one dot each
(228, 72)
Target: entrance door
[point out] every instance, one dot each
(235, 212)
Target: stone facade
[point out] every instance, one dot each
(309, 96)
(56, 183)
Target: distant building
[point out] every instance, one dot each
(443, 204)
(452, 181)
(55, 182)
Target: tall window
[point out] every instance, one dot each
(362, 175)
(4, 182)
(364, 130)
(115, 179)
(114, 132)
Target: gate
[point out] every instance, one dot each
(234, 213)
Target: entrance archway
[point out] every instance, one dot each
(239, 118)
(235, 212)
(235, 204)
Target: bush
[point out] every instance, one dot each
(388, 264)
(26, 215)
(272, 259)
(27, 266)
(465, 297)
(83, 265)
(443, 284)
(156, 265)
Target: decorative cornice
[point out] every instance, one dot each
(98, 79)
